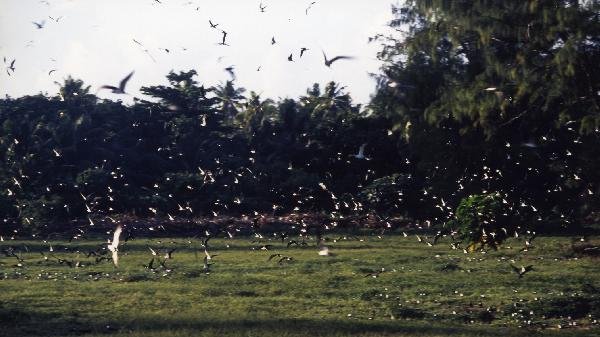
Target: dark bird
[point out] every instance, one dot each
(51, 71)
(522, 271)
(39, 25)
(375, 274)
(290, 58)
(11, 67)
(224, 37)
(330, 62)
(121, 88)
(309, 7)
(230, 71)
(273, 40)
(285, 259)
(165, 49)
(273, 256)
(262, 7)
(213, 25)
(150, 265)
(55, 20)
(302, 50)
(169, 254)
(258, 69)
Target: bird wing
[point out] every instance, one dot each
(12, 64)
(124, 81)
(325, 57)
(115, 258)
(116, 236)
(108, 87)
(51, 71)
(340, 58)
(152, 251)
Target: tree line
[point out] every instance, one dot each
(486, 106)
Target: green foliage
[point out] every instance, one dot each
(479, 219)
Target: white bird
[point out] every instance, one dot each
(324, 251)
(361, 152)
(114, 245)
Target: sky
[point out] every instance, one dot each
(92, 40)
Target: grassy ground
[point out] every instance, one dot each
(423, 291)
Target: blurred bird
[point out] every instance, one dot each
(114, 245)
(302, 50)
(39, 25)
(121, 88)
(329, 62)
(522, 271)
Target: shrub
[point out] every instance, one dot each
(482, 220)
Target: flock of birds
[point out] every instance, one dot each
(120, 89)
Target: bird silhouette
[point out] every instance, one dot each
(309, 7)
(290, 58)
(329, 62)
(231, 73)
(273, 40)
(302, 50)
(39, 25)
(213, 25)
(121, 88)
(262, 7)
(223, 43)
(522, 270)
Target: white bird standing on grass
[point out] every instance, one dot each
(114, 245)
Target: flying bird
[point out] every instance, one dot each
(213, 25)
(39, 25)
(302, 50)
(121, 88)
(55, 20)
(114, 245)
(262, 7)
(11, 67)
(361, 152)
(290, 58)
(231, 73)
(522, 271)
(273, 40)
(330, 62)
(309, 7)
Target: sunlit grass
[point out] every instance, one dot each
(422, 291)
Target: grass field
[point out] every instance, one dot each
(422, 291)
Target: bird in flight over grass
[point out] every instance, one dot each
(121, 88)
(522, 270)
(329, 62)
(114, 245)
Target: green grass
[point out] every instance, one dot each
(424, 291)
